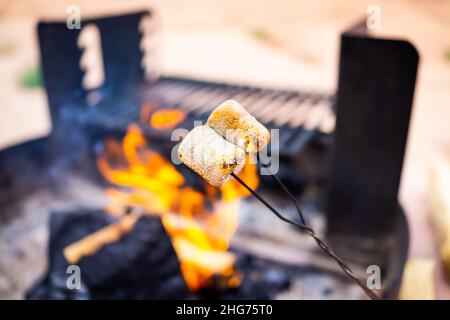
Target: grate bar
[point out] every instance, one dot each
(299, 115)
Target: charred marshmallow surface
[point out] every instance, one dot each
(211, 156)
(239, 127)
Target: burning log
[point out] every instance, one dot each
(93, 242)
(199, 224)
(142, 264)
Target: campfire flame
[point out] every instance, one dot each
(167, 119)
(200, 224)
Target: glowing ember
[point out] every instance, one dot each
(166, 119)
(200, 224)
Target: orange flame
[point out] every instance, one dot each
(200, 235)
(166, 119)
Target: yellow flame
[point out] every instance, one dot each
(200, 235)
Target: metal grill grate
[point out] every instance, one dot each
(118, 102)
(298, 115)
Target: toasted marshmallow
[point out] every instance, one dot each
(239, 127)
(210, 155)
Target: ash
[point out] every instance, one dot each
(277, 261)
(24, 230)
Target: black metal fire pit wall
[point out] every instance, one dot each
(374, 101)
(63, 76)
(61, 54)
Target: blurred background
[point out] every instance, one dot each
(282, 43)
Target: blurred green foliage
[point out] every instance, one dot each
(447, 54)
(260, 34)
(32, 78)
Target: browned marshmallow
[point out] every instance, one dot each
(211, 156)
(239, 127)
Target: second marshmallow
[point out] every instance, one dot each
(239, 127)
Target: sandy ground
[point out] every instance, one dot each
(299, 48)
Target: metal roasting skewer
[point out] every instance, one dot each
(315, 119)
(306, 228)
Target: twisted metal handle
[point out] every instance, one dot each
(306, 228)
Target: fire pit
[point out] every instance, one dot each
(139, 227)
